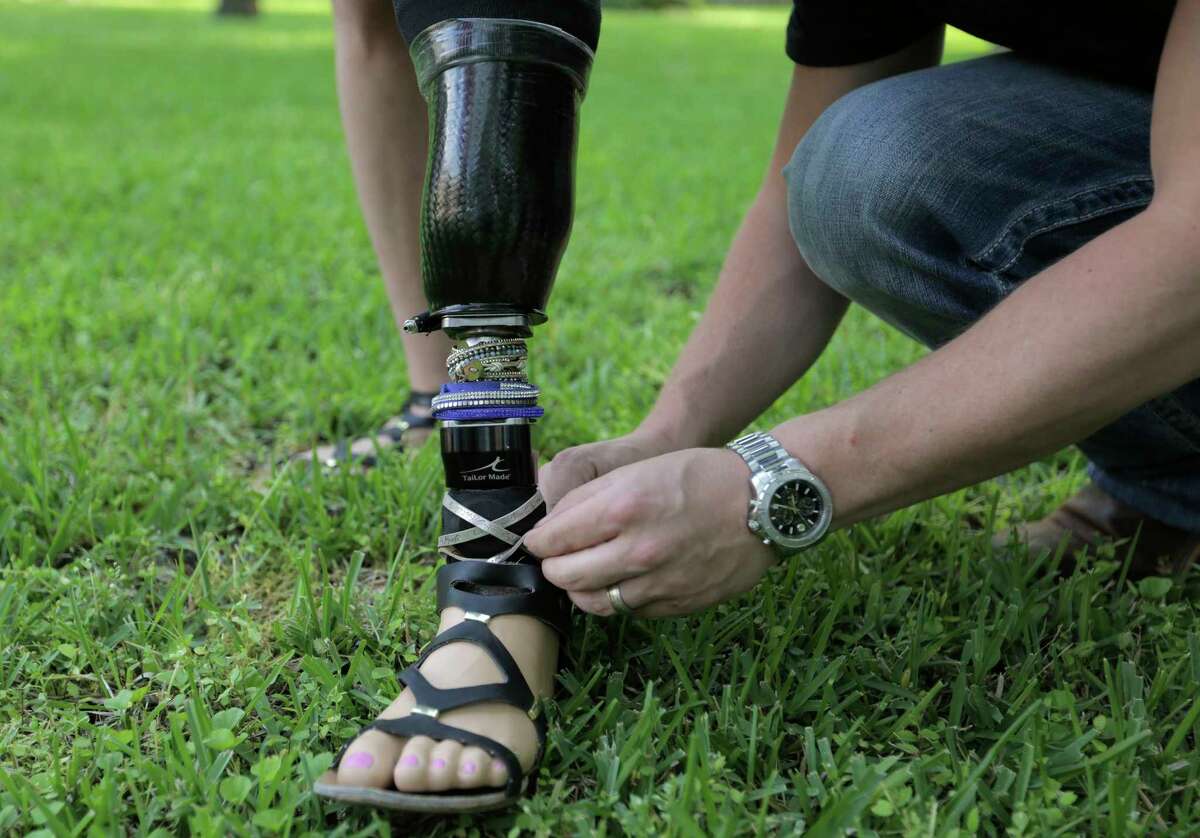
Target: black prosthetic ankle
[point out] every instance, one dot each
(491, 498)
(504, 100)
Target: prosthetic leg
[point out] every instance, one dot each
(503, 100)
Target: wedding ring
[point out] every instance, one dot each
(618, 602)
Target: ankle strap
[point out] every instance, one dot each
(536, 597)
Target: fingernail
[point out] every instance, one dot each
(360, 759)
(438, 763)
(468, 768)
(411, 759)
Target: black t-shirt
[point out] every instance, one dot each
(1119, 40)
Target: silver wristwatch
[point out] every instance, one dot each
(790, 509)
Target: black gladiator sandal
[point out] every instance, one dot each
(457, 583)
(364, 452)
(488, 573)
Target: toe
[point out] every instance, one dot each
(443, 765)
(497, 772)
(412, 767)
(369, 760)
(473, 768)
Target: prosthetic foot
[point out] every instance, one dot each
(503, 99)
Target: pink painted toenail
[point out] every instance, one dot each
(410, 760)
(438, 763)
(360, 759)
(468, 768)
(498, 765)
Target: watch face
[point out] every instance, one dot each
(796, 507)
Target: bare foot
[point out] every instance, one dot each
(420, 764)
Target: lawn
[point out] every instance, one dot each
(187, 291)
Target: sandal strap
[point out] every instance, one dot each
(396, 428)
(393, 431)
(407, 419)
(536, 597)
(477, 526)
(416, 724)
(342, 453)
(514, 690)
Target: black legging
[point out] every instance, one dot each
(580, 18)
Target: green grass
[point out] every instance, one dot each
(186, 289)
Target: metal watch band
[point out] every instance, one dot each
(763, 453)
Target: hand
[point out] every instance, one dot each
(671, 530)
(575, 466)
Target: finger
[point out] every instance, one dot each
(575, 527)
(557, 478)
(665, 594)
(670, 607)
(591, 569)
(635, 593)
(601, 477)
(592, 602)
(649, 597)
(567, 485)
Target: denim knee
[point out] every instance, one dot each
(868, 189)
(849, 185)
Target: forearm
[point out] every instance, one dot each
(1104, 330)
(767, 321)
(770, 317)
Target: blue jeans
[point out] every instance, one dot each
(929, 197)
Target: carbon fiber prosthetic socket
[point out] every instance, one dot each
(503, 99)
